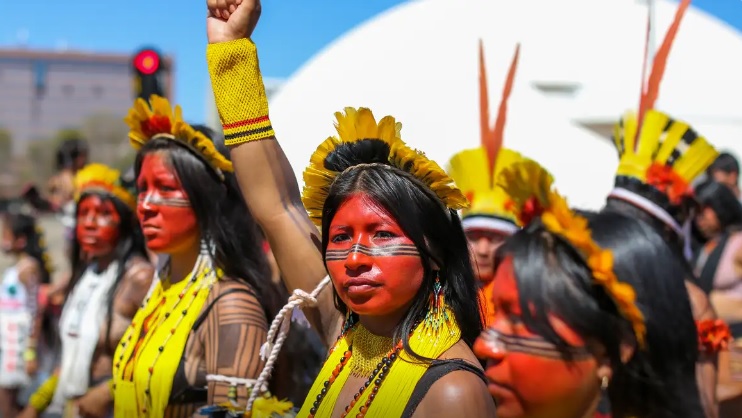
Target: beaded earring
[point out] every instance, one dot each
(437, 311)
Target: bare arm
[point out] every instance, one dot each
(706, 369)
(30, 276)
(264, 174)
(457, 394)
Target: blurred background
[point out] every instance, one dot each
(70, 70)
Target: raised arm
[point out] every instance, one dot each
(264, 174)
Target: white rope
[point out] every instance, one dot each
(279, 331)
(233, 381)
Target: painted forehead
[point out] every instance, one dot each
(362, 206)
(158, 163)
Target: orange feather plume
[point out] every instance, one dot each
(649, 97)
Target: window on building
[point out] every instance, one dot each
(40, 71)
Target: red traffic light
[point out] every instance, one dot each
(147, 62)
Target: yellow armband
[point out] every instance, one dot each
(239, 92)
(41, 399)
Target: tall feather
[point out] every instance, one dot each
(497, 133)
(488, 139)
(645, 59)
(660, 62)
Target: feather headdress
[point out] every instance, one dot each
(357, 125)
(532, 194)
(475, 170)
(162, 121)
(655, 149)
(101, 178)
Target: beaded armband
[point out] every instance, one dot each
(43, 396)
(239, 92)
(713, 335)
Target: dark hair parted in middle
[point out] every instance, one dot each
(435, 231)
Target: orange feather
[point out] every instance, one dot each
(497, 133)
(488, 139)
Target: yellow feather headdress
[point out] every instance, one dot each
(356, 125)
(161, 121)
(531, 189)
(475, 170)
(655, 149)
(101, 178)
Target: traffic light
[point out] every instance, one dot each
(148, 67)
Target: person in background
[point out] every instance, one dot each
(725, 170)
(20, 316)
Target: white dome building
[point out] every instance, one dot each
(579, 70)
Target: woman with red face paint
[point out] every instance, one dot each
(404, 314)
(197, 337)
(20, 315)
(110, 277)
(578, 315)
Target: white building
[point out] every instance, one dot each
(580, 67)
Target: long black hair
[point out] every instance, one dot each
(24, 225)
(553, 278)
(435, 231)
(130, 244)
(722, 201)
(222, 215)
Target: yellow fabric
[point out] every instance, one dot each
(239, 91)
(661, 140)
(99, 176)
(130, 399)
(43, 396)
(470, 171)
(396, 389)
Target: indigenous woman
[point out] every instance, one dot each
(659, 158)
(110, 277)
(20, 316)
(568, 328)
(391, 241)
(487, 223)
(207, 312)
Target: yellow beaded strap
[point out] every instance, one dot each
(239, 91)
(388, 399)
(530, 187)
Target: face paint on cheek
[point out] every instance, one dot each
(168, 221)
(375, 267)
(97, 226)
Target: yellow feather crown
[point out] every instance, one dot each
(101, 178)
(664, 151)
(530, 187)
(470, 170)
(161, 121)
(359, 124)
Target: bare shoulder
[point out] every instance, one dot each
(461, 351)
(459, 393)
(699, 302)
(236, 302)
(139, 272)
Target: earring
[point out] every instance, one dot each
(437, 312)
(604, 381)
(349, 322)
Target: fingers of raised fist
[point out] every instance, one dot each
(222, 8)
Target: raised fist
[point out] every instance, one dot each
(230, 20)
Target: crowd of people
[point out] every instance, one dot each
(204, 282)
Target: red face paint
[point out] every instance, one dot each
(375, 267)
(164, 211)
(526, 376)
(483, 244)
(97, 226)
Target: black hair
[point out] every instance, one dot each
(25, 225)
(69, 151)
(130, 244)
(722, 201)
(554, 278)
(435, 230)
(222, 215)
(662, 379)
(725, 162)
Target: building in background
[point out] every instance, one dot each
(42, 92)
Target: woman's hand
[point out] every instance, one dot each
(230, 20)
(28, 412)
(96, 402)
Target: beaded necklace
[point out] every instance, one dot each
(202, 278)
(371, 344)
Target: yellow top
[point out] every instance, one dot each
(150, 350)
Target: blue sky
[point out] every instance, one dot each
(289, 33)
